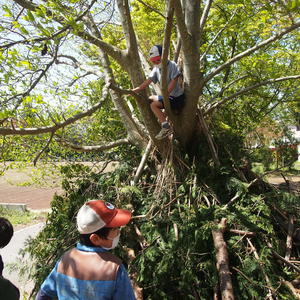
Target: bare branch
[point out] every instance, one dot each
(226, 288)
(34, 84)
(289, 238)
(77, 64)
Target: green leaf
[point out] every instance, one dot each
(30, 15)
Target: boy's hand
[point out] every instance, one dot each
(137, 89)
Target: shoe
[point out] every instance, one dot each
(164, 132)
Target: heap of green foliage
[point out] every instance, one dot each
(175, 257)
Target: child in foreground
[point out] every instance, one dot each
(8, 291)
(89, 271)
(175, 92)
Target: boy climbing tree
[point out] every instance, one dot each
(175, 92)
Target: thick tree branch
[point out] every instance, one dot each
(245, 90)
(289, 239)
(39, 130)
(224, 89)
(204, 16)
(226, 288)
(166, 47)
(238, 57)
(101, 147)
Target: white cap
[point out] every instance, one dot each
(155, 53)
(97, 214)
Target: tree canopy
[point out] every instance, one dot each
(62, 63)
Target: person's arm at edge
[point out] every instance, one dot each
(172, 86)
(124, 289)
(42, 296)
(143, 85)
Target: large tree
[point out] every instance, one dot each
(233, 52)
(68, 67)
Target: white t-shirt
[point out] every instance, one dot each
(172, 72)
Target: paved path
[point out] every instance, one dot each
(10, 254)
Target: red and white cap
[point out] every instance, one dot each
(155, 53)
(97, 214)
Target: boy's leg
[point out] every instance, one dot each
(156, 104)
(157, 110)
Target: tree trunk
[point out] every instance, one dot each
(222, 261)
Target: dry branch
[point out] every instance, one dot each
(241, 232)
(282, 258)
(294, 291)
(289, 239)
(226, 288)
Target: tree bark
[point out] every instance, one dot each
(226, 288)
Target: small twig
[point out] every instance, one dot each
(244, 275)
(241, 232)
(165, 206)
(146, 215)
(45, 147)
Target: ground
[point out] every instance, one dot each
(34, 198)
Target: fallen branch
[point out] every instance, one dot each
(240, 232)
(294, 291)
(281, 258)
(255, 180)
(226, 288)
(289, 239)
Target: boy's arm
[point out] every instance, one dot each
(42, 296)
(143, 85)
(172, 86)
(124, 290)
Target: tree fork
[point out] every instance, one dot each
(226, 288)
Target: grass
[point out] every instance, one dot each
(258, 168)
(23, 218)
